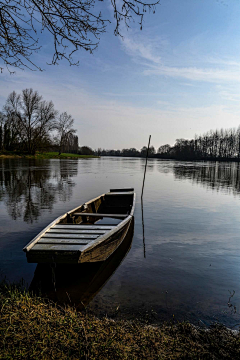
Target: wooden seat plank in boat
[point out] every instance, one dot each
(64, 241)
(76, 231)
(120, 216)
(128, 190)
(119, 193)
(58, 247)
(76, 237)
(70, 236)
(82, 227)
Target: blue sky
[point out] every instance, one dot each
(178, 77)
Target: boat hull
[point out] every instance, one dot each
(99, 252)
(102, 251)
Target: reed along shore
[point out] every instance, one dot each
(32, 327)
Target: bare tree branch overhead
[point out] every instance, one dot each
(73, 24)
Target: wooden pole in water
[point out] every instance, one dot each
(144, 247)
(145, 165)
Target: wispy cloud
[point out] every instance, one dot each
(156, 62)
(143, 50)
(144, 46)
(195, 74)
(132, 94)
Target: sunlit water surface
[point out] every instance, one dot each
(189, 264)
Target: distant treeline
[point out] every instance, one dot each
(214, 145)
(132, 152)
(28, 123)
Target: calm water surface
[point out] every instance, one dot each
(189, 264)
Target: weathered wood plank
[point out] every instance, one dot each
(120, 216)
(120, 193)
(69, 236)
(53, 247)
(76, 231)
(64, 241)
(114, 224)
(122, 190)
(83, 227)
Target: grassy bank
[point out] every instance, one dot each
(33, 328)
(44, 155)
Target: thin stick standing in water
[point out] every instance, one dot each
(144, 247)
(145, 165)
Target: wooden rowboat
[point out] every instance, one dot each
(80, 236)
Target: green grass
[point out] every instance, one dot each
(54, 155)
(33, 328)
(44, 155)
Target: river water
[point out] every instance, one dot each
(186, 265)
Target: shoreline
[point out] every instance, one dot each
(33, 327)
(45, 155)
(206, 159)
(54, 155)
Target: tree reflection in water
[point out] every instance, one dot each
(29, 186)
(218, 176)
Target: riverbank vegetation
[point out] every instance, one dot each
(44, 155)
(214, 145)
(32, 327)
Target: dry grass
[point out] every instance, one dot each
(31, 328)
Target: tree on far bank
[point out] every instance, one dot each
(85, 150)
(164, 149)
(151, 151)
(64, 127)
(1, 130)
(129, 152)
(143, 151)
(28, 120)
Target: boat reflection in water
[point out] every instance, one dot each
(76, 285)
